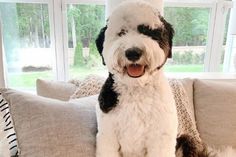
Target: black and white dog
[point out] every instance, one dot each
(136, 115)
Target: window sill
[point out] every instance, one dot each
(203, 75)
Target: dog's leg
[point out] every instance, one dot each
(162, 147)
(107, 143)
(106, 146)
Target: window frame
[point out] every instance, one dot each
(218, 10)
(2, 61)
(65, 27)
(52, 36)
(215, 36)
(58, 29)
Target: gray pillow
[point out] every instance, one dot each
(215, 108)
(52, 128)
(55, 89)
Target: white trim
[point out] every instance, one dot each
(216, 36)
(52, 37)
(203, 75)
(98, 2)
(59, 40)
(65, 39)
(210, 37)
(25, 1)
(196, 3)
(229, 42)
(187, 3)
(228, 53)
(2, 69)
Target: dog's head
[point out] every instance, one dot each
(136, 41)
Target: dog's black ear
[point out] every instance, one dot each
(108, 97)
(168, 35)
(99, 42)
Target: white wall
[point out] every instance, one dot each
(111, 4)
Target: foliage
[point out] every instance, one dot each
(187, 57)
(190, 24)
(93, 50)
(89, 19)
(27, 25)
(24, 25)
(33, 22)
(78, 56)
(95, 58)
(91, 61)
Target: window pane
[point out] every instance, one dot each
(189, 45)
(84, 23)
(26, 40)
(233, 51)
(231, 48)
(224, 41)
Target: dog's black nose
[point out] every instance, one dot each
(133, 54)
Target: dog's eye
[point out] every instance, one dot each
(122, 32)
(144, 29)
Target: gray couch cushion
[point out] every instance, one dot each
(55, 89)
(215, 109)
(47, 127)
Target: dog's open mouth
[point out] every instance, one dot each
(135, 70)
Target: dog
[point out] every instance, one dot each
(136, 114)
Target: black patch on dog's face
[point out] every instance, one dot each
(99, 42)
(190, 148)
(163, 36)
(108, 98)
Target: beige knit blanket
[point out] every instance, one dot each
(186, 123)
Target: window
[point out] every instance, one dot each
(189, 44)
(84, 22)
(55, 39)
(27, 43)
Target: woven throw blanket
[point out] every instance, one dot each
(186, 123)
(91, 85)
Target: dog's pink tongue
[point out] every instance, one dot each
(135, 70)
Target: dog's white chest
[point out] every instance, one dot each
(140, 115)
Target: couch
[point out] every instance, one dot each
(61, 121)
